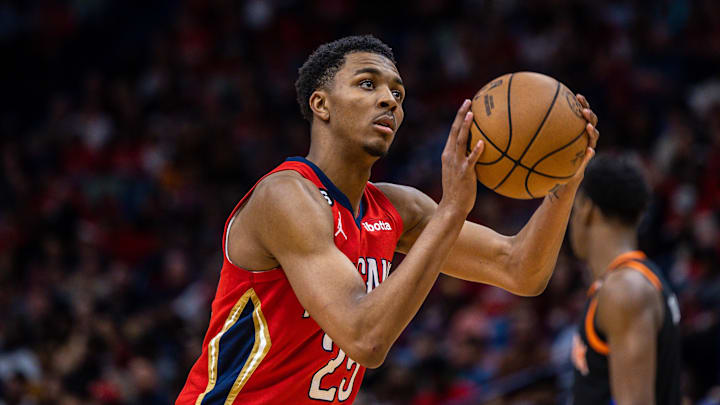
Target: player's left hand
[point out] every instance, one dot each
(593, 134)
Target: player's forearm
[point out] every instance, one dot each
(535, 248)
(388, 309)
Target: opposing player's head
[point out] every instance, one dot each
(613, 194)
(351, 89)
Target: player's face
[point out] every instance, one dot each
(365, 102)
(577, 226)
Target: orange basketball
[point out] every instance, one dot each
(534, 134)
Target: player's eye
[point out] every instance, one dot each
(367, 84)
(397, 94)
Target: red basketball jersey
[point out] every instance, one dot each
(261, 346)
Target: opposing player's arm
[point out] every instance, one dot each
(630, 314)
(293, 223)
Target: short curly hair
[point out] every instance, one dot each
(616, 185)
(320, 67)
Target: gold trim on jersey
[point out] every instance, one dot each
(259, 350)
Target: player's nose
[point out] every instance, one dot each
(387, 99)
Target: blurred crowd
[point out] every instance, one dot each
(128, 131)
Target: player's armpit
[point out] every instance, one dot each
(415, 209)
(629, 314)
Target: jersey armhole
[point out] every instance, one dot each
(596, 342)
(298, 167)
(227, 239)
(645, 271)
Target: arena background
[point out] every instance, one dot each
(129, 129)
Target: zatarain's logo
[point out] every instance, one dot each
(377, 226)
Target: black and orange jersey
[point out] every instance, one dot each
(590, 349)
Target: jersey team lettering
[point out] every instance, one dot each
(377, 226)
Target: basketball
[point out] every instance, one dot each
(534, 134)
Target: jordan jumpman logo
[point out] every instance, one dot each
(339, 228)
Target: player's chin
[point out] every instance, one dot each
(376, 149)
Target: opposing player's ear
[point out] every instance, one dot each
(319, 104)
(585, 209)
(592, 212)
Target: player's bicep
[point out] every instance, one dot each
(632, 363)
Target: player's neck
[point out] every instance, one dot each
(609, 242)
(350, 174)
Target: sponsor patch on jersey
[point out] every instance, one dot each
(377, 226)
(327, 196)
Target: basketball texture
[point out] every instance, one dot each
(534, 134)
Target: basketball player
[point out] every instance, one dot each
(627, 350)
(305, 300)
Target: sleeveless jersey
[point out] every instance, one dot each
(261, 346)
(590, 349)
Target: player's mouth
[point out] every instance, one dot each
(385, 124)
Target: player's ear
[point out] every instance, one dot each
(319, 104)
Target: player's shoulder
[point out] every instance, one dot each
(627, 298)
(287, 193)
(626, 289)
(285, 180)
(284, 185)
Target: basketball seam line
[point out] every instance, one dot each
(509, 112)
(507, 148)
(532, 170)
(505, 155)
(502, 154)
(542, 123)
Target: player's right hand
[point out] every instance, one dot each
(459, 180)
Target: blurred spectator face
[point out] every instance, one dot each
(176, 271)
(465, 354)
(144, 375)
(366, 87)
